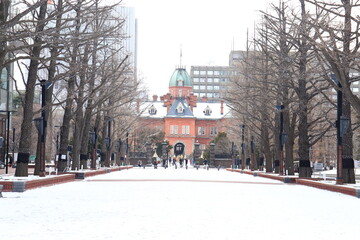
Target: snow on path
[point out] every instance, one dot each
(195, 204)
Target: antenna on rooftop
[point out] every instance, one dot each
(233, 44)
(180, 54)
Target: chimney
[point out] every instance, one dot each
(155, 98)
(222, 107)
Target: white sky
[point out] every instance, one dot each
(206, 30)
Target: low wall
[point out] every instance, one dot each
(23, 185)
(330, 187)
(311, 182)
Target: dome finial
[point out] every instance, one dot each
(180, 54)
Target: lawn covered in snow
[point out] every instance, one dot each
(178, 204)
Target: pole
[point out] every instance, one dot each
(107, 162)
(8, 121)
(252, 154)
(93, 158)
(57, 148)
(232, 155)
(281, 170)
(242, 147)
(13, 146)
(339, 176)
(7, 141)
(42, 132)
(127, 148)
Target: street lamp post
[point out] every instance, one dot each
(13, 146)
(7, 140)
(281, 135)
(127, 148)
(233, 155)
(57, 145)
(93, 140)
(196, 153)
(242, 126)
(108, 143)
(164, 153)
(43, 126)
(252, 143)
(212, 154)
(119, 144)
(342, 125)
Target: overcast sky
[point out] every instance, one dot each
(206, 30)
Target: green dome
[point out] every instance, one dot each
(180, 78)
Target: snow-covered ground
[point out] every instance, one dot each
(178, 204)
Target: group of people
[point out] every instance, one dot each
(174, 162)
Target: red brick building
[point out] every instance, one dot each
(183, 117)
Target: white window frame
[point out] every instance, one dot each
(176, 129)
(171, 129)
(213, 131)
(201, 131)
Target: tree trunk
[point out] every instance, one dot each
(347, 159)
(26, 126)
(65, 128)
(289, 146)
(266, 147)
(4, 13)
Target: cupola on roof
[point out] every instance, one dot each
(180, 78)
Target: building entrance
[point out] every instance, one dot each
(179, 149)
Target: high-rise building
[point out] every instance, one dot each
(127, 36)
(212, 81)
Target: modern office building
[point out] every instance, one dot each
(212, 81)
(128, 36)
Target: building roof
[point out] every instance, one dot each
(180, 108)
(200, 111)
(180, 78)
(158, 110)
(147, 107)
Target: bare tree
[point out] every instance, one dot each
(337, 46)
(24, 146)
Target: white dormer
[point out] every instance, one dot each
(207, 111)
(180, 108)
(152, 110)
(180, 83)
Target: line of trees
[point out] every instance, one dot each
(77, 47)
(289, 61)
